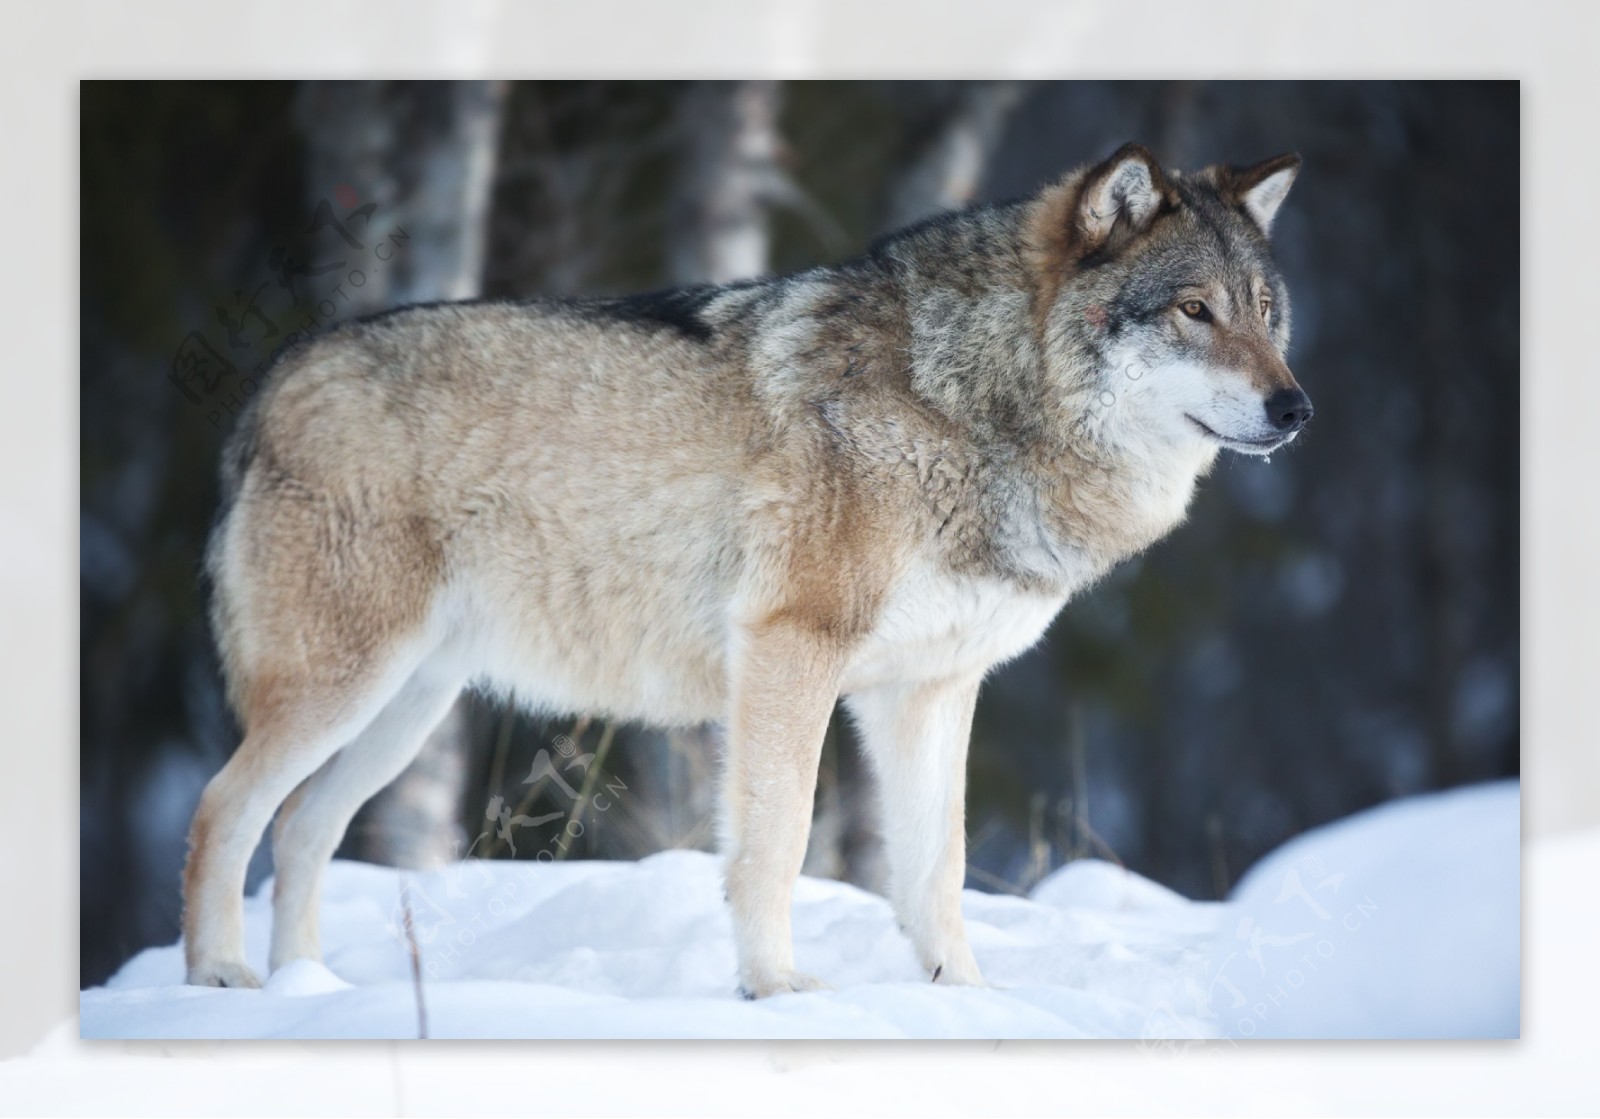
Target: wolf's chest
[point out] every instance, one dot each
(935, 625)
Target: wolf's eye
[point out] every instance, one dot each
(1195, 310)
(1266, 309)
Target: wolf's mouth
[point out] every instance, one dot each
(1249, 446)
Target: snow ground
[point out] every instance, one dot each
(1402, 921)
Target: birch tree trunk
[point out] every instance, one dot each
(423, 154)
(728, 182)
(947, 168)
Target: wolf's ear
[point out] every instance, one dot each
(1261, 189)
(1121, 196)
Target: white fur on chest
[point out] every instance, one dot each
(937, 625)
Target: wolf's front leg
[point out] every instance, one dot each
(916, 735)
(785, 683)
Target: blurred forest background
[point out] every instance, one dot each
(1330, 630)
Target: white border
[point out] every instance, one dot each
(48, 47)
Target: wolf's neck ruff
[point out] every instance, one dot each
(1013, 441)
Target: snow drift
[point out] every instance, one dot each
(644, 950)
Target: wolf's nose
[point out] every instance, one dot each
(1289, 409)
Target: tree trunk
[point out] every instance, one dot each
(423, 155)
(730, 171)
(947, 168)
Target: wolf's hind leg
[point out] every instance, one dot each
(916, 735)
(785, 686)
(314, 819)
(294, 727)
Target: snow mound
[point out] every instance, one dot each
(1401, 922)
(645, 950)
(638, 950)
(1095, 884)
(303, 978)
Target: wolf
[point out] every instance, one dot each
(867, 483)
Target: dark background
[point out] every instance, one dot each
(1329, 630)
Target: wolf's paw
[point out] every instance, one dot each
(780, 983)
(959, 972)
(223, 973)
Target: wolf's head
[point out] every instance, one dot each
(1167, 280)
